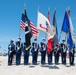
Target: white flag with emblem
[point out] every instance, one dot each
(43, 24)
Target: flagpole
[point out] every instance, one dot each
(19, 32)
(19, 27)
(37, 12)
(48, 17)
(60, 36)
(45, 36)
(66, 37)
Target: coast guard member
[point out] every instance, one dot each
(26, 54)
(71, 55)
(43, 50)
(50, 51)
(56, 54)
(63, 52)
(18, 51)
(11, 49)
(34, 50)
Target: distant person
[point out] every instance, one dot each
(11, 49)
(43, 50)
(34, 51)
(18, 51)
(71, 55)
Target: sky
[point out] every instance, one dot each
(10, 16)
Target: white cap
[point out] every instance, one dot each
(43, 39)
(12, 40)
(63, 39)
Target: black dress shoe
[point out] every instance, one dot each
(26, 64)
(72, 64)
(9, 64)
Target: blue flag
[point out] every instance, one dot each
(65, 25)
(55, 39)
(69, 40)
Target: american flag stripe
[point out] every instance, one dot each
(33, 28)
(32, 24)
(34, 32)
(22, 25)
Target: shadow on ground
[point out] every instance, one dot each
(50, 67)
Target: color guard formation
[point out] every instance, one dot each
(59, 50)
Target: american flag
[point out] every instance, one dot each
(33, 28)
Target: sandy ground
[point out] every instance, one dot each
(36, 69)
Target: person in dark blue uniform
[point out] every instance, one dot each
(26, 54)
(11, 49)
(56, 54)
(18, 51)
(71, 55)
(50, 50)
(43, 50)
(34, 51)
(50, 57)
(22, 48)
(63, 52)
